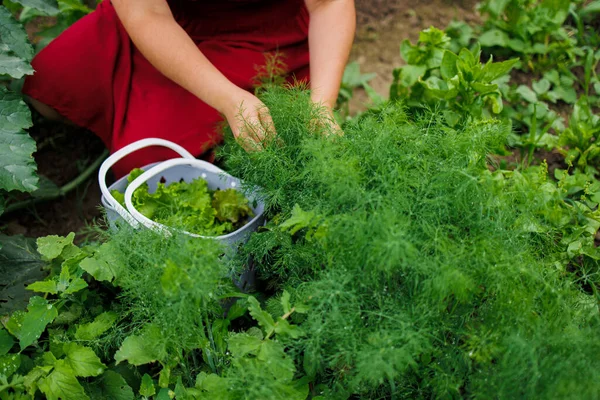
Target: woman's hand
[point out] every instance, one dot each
(325, 121)
(250, 120)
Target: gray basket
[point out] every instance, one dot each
(186, 168)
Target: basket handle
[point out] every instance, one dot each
(143, 178)
(118, 155)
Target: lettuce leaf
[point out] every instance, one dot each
(191, 206)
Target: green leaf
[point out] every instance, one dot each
(496, 101)
(44, 287)
(231, 206)
(49, 359)
(75, 285)
(527, 94)
(82, 360)
(483, 88)
(164, 378)
(180, 391)
(494, 37)
(9, 364)
(241, 344)
(173, 278)
(353, 78)
(12, 65)
(541, 86)
(434, 36)
(496, 7)
(275, 361)
(28, 327)
(147, 388)
(31, 379)
(110, 385)
(438, 88)
(103, 265)
(492, 71)
(62, 384)
(448, 68)
(298, 220)
(51, 247)
(164, 394)
(410, 74)
(6, 342)
(592, 8)
(20, 265)
(13, 35)
(143, 349)
(283, 327)
(96, 328)
(264, 319)
(49, 7)
(285, 302)
(17, 166)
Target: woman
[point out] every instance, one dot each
(156, 68)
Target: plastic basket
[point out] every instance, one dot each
(186, 168)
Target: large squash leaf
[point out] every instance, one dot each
(48, 7)
(17, 166)
(20, 265)
(15, 50)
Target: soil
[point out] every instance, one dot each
(65, 151)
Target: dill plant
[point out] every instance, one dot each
(173, 285)
(426, 274)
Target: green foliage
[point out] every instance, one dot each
(15, 50)
(17, 166)
(579, 139)
(191, 206)
(434, 274)
(352, 80)
(20, 265)
(258, 366)
(532, 29)
(45, 7)
(459, 83)
(64, 12)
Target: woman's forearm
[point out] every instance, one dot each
(169, 49)
(331, 32)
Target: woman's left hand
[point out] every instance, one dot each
(325, 122)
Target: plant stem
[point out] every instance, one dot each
(63, 191)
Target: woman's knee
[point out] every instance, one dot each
(47, 112)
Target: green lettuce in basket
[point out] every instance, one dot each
(190, 206)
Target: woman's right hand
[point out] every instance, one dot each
(250, 120)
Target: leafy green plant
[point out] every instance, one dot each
(466, 85)
(190, 206)
(352, 80)
(532, 29)
(64, 13)
(421, 59)
(430, 275)
(460, 82)
(397, 263)
(17, 167)
(579, 140)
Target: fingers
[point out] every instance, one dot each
(324, 123)
(253, 127)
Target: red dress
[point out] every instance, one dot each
(94, 76)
